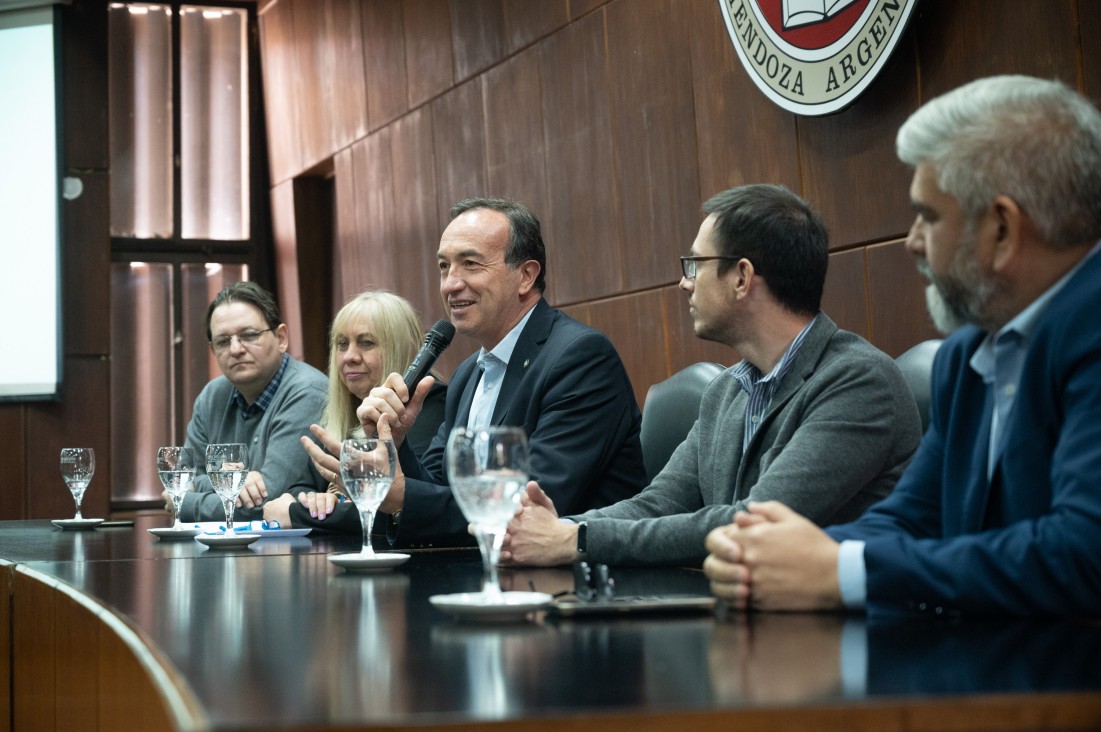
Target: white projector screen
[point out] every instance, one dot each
(30, 364)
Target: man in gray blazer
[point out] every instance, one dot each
(813, 415)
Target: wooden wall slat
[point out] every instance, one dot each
(580, 184)
(899, 318)
(346, 79)
(80, 419)
(845, 296)
(656, 169)
(579, 8)
(12, 468)
(459, 140)
(634, 325)
(284, 236)
(384, 54)
(315, 90)
(526, 22)
(850, 172)
(515, 157)
(417, 223)
(477, 35)
(281, 100)
(84, 80)
(1018, 37)
(346, 245)
(314, 236)
(1089, 28)
(86, 270)
(428, 55)
(741, 137)
(374, 183)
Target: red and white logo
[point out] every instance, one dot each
(814, 57)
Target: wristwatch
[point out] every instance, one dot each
(582, 537)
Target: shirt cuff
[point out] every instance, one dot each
(852, 574)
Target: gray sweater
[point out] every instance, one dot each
(272, 437)
(836, 437)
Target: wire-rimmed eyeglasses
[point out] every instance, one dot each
(688, 264)
(221, 343)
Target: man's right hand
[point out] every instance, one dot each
(536, 536)
(393, 400)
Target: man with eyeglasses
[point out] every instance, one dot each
(265, 399)
(813, 415)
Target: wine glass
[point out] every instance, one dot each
(176, 469)
(227, 466)
(488, 470)
(77, 466)
(367, 467)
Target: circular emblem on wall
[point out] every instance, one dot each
(814, 57)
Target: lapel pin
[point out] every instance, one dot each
(526, 362)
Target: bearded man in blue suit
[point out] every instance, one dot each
(1000, 510)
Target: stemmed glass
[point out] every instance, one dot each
(77, 466)
(488, 470)
(367, 467)
(176, 469)
(227, 466)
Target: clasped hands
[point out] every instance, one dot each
(772, 558)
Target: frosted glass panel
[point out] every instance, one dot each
(140, 74)
(214, 119)
(141, 376)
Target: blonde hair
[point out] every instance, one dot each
(397, 329)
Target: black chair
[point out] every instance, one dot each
(670, 410)
(917, 366)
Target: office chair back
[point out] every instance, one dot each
(917, 366)
(670, 410)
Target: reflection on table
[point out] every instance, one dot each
(274, 635)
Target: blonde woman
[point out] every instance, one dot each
(373, 335)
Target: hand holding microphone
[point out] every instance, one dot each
(402, 410)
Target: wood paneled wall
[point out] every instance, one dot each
(614, 120)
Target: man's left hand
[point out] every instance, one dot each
(771, 558)
(536, 536)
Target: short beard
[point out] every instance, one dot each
(960, 296)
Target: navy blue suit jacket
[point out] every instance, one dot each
(566, 386)
(1027, 541)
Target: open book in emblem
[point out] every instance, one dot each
(806, 12)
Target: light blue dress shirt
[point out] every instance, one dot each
(493, 364)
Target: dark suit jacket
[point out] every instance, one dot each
(566, 386)
(1028, 541)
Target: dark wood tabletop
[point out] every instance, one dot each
(275, 635)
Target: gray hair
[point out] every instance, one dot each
(1034, 140)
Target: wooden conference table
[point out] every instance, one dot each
(113, 629)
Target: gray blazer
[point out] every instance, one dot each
(836, 437)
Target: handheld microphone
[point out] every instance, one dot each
(435, 341)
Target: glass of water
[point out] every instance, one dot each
(78, 464)
(176, 469)
(227, 466)
(488, 470)
(367, 466)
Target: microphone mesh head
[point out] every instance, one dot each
(442, 333)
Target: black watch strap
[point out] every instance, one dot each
(582, 537)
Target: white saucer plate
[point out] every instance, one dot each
(77, 523)
(171, 532)
(358, 562)
(510, 607)
(226, 541)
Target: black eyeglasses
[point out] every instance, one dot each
(247, 338)
(688, 264)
